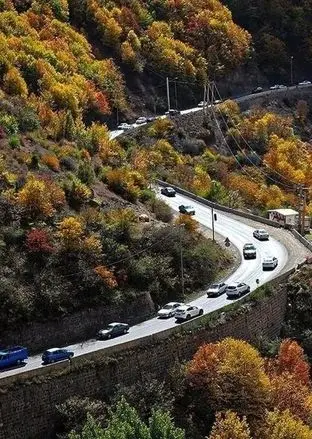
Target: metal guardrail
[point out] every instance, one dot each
(150, 339)
(217, 206)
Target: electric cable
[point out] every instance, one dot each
(255, 153)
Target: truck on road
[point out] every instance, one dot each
(12, 356)
(288, 217)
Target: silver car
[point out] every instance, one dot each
(216, 289)
(261, 234)
(237, 289)
(169, 310)
(269, 263)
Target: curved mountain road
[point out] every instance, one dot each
(239, 232)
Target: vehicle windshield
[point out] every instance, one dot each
(110, 326)
(214, 286)
(249, 247)
(167, 307)
(232, 287)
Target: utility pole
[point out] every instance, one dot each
(181, 259)
(291, 70)
(302, 208)
(168, 92)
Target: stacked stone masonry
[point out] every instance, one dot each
(27, 409)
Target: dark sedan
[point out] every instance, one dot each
(186, 210)
(113, 330)
(168, 191)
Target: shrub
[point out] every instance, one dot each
(38, 241)
(69, 163)
(92, 245)
(40, 198)
(188, 223)
(77, 192)
(13, 235)
(70, 232)
(73, 412)
(51, 161)
(147, 195)
(162, 211)
(106, 275)
(86, 173)
(14, 141)
(28, 120)
(8, 123)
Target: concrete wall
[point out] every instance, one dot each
(81, 325)
(27, 405)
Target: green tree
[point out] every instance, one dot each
(162, 427)
(125, 423)
(91, 430)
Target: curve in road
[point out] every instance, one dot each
(238, 232)
(239, 99)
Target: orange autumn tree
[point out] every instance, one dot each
(229, 375)
(290, 381)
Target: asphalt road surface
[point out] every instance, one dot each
(248, 271)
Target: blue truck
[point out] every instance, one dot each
(12, 356)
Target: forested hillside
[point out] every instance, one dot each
(280, 29)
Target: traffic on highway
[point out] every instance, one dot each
(248, 275)
(257, 91)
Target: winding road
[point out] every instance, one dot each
(239, 232)
(240, 99)
(288, 251)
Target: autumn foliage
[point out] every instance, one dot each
(38, 241)
(252, 397)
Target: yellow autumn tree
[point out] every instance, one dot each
(70, 232)
(282, 425)
(229, 426)
(40, 198)
(14, 83)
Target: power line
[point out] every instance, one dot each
(255, 153)
(290, 187)
(126, 258)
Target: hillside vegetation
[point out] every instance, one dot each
(262, 162)
(227, 391)
(66, 240)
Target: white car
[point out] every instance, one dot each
(269, 263)
(169, 310)
(216, 289)
(237, 289)
(201, 104)
(278, 87)
(305, 83)
(124, 126)
(186, 312)
(261, 234)
(141, 120)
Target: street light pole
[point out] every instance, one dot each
(291, 70)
